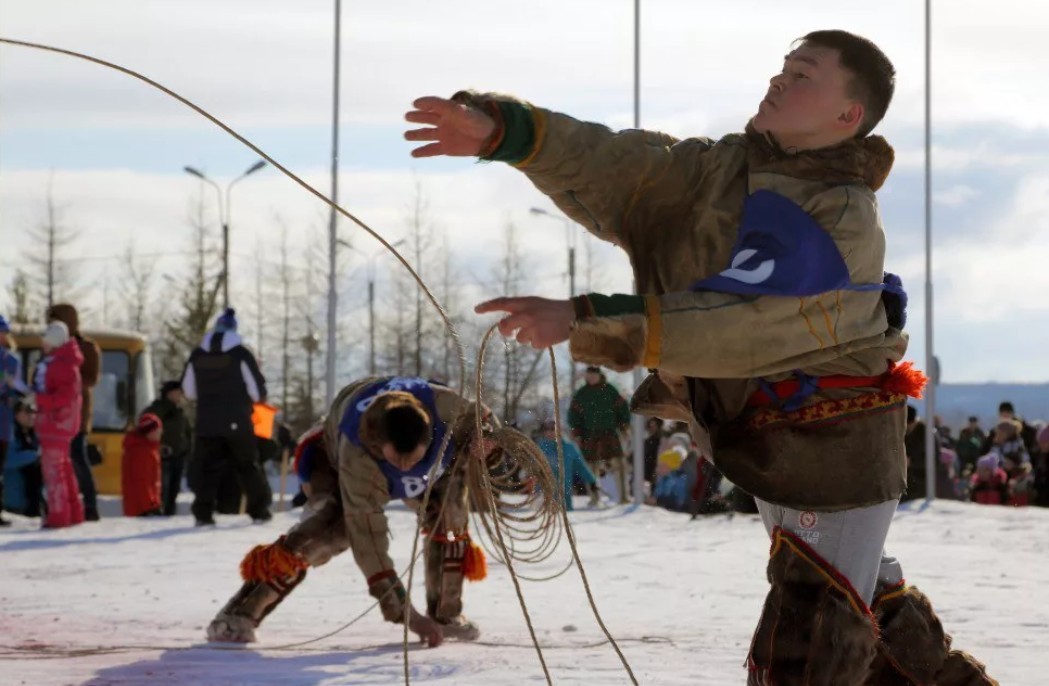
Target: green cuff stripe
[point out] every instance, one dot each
(519, 135)
(615, 305)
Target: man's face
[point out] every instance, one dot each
(176, 396)
(25, 418)
(403, 461)
(593, 378)
(808, 98)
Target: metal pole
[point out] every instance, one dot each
(329, 353)
(371, 326)
(571, 294)
(637, 423)
(930, 359)
(225, 235)
(225, 246)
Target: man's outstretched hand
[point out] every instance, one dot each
(454, 129)
(539, 322)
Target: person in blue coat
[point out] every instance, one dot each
(12, 389)
(575, 465)
(22, 474)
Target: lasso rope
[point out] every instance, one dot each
(500, 518)
(543, 469)
(331, 203)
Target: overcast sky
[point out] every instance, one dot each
(116, 148)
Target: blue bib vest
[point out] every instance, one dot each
(782, 251)
(410, 483)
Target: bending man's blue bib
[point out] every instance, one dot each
(409, 483)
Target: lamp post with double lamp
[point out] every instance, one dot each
(371, 295)
(224, 217)
(570, 242)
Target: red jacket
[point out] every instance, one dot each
(140, 474)
(993, 491)
(56, 383)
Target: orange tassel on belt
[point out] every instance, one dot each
(475, 566)
(265, 563)
(905, 380)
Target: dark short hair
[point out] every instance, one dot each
(912, 413)
(405, 427)
(974, 419)
(1006, 406)
(873, 76)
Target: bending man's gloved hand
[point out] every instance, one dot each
(427, 629)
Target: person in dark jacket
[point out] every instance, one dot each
(597, 415)
(654, 427)
(90, 372)
(175, 442)
(224, 378)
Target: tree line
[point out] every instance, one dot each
(281, 303)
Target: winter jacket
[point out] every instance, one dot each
(575, 466)
(366, 482)
(1014, 450)
(991, 491)
(23, 451)
(56, 383)
(11, 389)
(178, 434)
(90, 367)
(224, 378)
(140, 475)
(596, 416)
(718, 315)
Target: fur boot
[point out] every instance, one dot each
(814, 630)
(914, 649)
(237, 621)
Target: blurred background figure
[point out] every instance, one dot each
(56, 383)
(597, 415)
(175, 442)
(575, 466)
(25, 482)
(11, 390)
(90, 372)
(224, 378)
(140, 468)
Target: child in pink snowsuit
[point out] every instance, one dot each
(56, 383)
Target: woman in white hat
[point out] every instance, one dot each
(56, 382)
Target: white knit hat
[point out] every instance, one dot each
(57, 334)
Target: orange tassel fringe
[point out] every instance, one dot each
(475, 566)
(906, 380)
(271, 562)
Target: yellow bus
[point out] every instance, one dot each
(124, 389)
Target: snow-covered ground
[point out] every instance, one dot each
(125, 601)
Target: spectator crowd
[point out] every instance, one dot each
(214, 445)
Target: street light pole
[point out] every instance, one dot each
(570, 242)
(329, 353)
(931, 443)
(224, 217)
(371, 295)
(637, 424)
